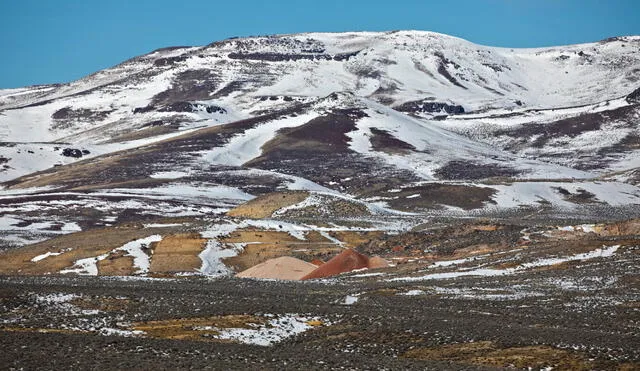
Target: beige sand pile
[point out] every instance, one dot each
(283, 268)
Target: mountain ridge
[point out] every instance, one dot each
(383, 109)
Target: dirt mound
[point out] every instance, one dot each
(283, 268)
(346, 261)
(377, 262)
(265, 205)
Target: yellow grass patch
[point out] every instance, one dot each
(490, 354)
(198, 329)
(264, 206)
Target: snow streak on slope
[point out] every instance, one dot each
(246, 146)
(435, 147)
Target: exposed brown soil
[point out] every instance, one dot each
(630, 227)
(102, 303)
(261, 245)
(253, 236)
(319, 151)
(442, 70)
(325, 133)
(377, 262)
(177, 253)
(256, 253)
(383, 141)
(116, 264)
(140, 163)
(329, 207)
(147, 132)
(74, 246)
(449, 242)
(354, 239)
(190, 85)
(433, 196)
(315, 236)
(590, 327)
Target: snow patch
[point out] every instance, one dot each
(141, 261)
(350, 299)
(214, 252)
(136, 248)
(412, 293)
(276, 330)
(487, 272)
(169, 175)
(48, 254)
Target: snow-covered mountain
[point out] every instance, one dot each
(408, 120)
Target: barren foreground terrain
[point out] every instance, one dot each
(579, 310)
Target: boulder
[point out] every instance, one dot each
(72, 152)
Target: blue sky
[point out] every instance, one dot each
(47, 41)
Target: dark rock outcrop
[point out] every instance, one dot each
(182, 107)
(467, 170)
(74, 152)
(634, 97)
(426, 106)
(160, 62)
(282, 57)
(70, 114)
(189, 86)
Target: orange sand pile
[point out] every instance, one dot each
(346, 261)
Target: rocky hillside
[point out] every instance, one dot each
(390, 123)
